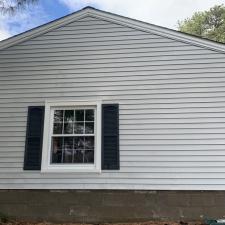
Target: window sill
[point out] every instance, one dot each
(70, 169)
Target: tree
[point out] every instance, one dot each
(208, 24)
(13, 6)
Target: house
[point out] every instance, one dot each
(106, 118)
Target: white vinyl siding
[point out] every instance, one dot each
(171, 97)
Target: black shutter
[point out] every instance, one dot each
(110, 137)
(34, 135)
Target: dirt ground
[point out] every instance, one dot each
(142, 223)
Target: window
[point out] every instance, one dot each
(72, 137)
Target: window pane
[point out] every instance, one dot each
(57, 149)
(68, 143)
(78, 156)
(57, 129)
(68, 156)
(79, 115)
(89, 143)
(57, 157)
(69, 116)
(79, 128)
(79, 143)
(68, 128)
(89, 115)
(57, 143)
(66, 146)
(89, 127)
(58, 116)
(89, 156)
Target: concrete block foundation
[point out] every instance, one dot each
(98, 206)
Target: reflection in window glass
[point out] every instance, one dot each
(57, 129)
(68, 156)
(89, 156)
(79, 115)
(79, 142)
(89, 143)
(68, 128)
(79, 156)
(57, 144)
(69, 116)
(58, 116)
(89, 127)
(68, 143)
(78, 127)
(89, 115)
(73, 139)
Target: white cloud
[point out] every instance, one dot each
(160, 12)
(4, 29)
(4, 33)
(14, 24)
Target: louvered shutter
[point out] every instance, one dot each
(110, 137)
(34, 136)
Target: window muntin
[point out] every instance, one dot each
(73, 136)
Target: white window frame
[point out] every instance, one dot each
(46, 165)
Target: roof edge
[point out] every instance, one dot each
(44, 28)
(125, 21)
(159, 30)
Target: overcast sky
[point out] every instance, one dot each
(160, 12)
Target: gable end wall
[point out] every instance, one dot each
(171, 96)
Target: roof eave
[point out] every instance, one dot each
(139, 25)
(44, 28)
(162, 31)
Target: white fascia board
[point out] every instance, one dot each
(43, 29)
(158, 30)
(124, 21)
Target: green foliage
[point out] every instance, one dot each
(208, 24)
(13, 6)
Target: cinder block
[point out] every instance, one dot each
(98, 206)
